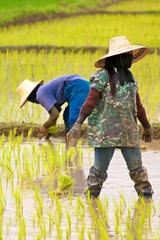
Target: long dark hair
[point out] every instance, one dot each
(117, 67)
(109, 66)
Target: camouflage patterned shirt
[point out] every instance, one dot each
(113, 120)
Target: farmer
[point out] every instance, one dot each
(112, 108)
(70, 88)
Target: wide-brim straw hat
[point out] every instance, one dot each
(25, 89)
(119, 45)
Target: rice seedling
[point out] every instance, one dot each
(59, 214)
(146, 76)
(74, 157)
(70, 216)
(51, 220)
(40, 220)
(122, 200)
(41, 34)
(99, 216)
(3, 197)
(103, 233)
(81, 231)
(80, 210)
(89, 235)
(69, 224)
(2, 208)
(22, 229)
(59, 231)
(6, 167)
(42, 233)
(29, 134)
(58, 208)
(64, 184)
(2, 140)
(128, 224)
(137, 225)
(118, 217)
(18, 203)
(39, 201)
(103, 211)
(145, 72)
(53, 129)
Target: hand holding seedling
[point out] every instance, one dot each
(42, 132)
(73, 135)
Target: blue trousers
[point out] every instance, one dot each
(76, 93)
(103, 156)
(98, 172)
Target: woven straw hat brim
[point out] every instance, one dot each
(25, 91)
(138, 52)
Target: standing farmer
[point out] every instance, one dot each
(70, 88)
(112, 108)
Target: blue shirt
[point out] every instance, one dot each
(53, 91)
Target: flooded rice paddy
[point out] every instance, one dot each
(29, 208)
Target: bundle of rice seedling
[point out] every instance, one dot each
(63, 185)
(65, 182)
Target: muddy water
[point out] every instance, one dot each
(118, 184)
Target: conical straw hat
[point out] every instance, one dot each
(120, 44)
(25, 89)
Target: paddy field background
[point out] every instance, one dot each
(45, 39)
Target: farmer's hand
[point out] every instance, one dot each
(42, 132)
(147, 134)
(73, 135)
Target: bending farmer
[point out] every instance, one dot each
(70, 88)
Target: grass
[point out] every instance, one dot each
(93, 33)
(136, 6)
(20, 8)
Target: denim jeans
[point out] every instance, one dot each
(98, 173)
(76, 93)
(103, 157)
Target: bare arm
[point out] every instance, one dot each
(54, 114)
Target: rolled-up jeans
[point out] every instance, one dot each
(103, 157)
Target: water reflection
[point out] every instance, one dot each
(140, 223)
(72, 216)
(73, 166)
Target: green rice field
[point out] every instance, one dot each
(15, 67)
(76, 33)
(42, 182)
